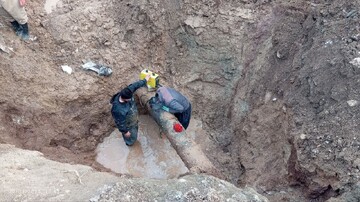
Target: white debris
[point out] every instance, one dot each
(303, 136)
(195, 21)
(3, 46)
(243, 13)
(352, 103)
(267, 97)
(102, 70)
(328, 42)
(66, 69)
(356, 62)
(89, 65)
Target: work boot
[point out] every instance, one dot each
(15, 26)
(23, 31)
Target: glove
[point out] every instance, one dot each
(165, 108)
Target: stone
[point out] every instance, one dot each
(356, 62)
(195, 22)
(303, 136)
(188, 188)
(352, 103)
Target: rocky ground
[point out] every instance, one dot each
(274, 82)
(39, 179)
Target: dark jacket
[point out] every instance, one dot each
(126, 114)
(175, 101)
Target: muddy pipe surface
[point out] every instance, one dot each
(188, 150)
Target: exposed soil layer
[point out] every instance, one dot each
(275, 84)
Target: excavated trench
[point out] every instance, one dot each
(269, 83)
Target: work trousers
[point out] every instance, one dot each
(11, 10)
(184, 117)
(129, 141)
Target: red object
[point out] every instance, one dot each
(178, 127)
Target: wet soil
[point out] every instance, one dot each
(151, 156)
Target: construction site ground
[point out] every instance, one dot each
(274, 86)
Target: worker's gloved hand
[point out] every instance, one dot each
(165, 108)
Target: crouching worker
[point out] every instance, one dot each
(125, 112)
(174, 102)
(14, 11)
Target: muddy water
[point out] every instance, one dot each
(50, 5)
(150, 157)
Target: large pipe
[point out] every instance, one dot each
(188, 150)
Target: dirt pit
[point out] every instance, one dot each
(275, 84)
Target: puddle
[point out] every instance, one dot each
(50, 5)
(150, 157)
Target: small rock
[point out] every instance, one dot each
(66, 69)
(328, 42)
(303, 136)
(195, 22)
(182, 180)
(267, 97)
(352, 103)
(355, 38)
(356, 62)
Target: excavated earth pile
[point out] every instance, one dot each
(275, 84)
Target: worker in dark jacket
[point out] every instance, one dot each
(174, 102)
(125, 113)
